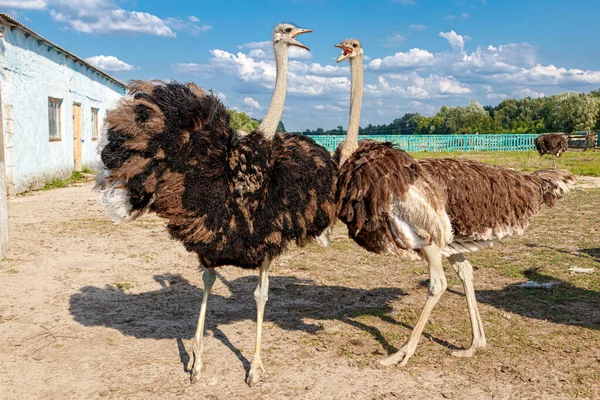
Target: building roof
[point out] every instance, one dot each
(13, 23)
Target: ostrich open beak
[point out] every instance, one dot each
(300, 32)
(347, 51)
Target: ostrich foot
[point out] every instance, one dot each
(401, 356)
(195, 368)
(256, 370)
(465, 353)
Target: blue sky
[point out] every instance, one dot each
(422, 54)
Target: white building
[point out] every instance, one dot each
(52, 106)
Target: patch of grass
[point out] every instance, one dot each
(55, 183)
(123, 285)
(12, 271)
(577, 162)
(87, 170)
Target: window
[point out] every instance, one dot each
(54, 122)
(94, 123)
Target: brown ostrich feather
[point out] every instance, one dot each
(551, 143)
(233, 201)
(392, 202)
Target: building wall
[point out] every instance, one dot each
(31, 72)
(4, 233)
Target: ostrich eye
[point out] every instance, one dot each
(288, 30)
(354, 45)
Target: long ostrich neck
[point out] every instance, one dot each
(269, 124)
(356, 92)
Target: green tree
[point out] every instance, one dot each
(242, 121)
(575, 112)
(408, 123)
(281, 127)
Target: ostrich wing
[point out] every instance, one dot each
(389, 202)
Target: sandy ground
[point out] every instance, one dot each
(93, 310)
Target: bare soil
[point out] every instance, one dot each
(94, 310)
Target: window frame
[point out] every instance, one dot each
(95, 123)
(58, 124)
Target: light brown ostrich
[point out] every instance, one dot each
(427, 209)
(233, 200)
(551, 143)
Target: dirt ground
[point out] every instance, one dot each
(93, 310)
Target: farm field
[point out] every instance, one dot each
(578, 162)
(94, 310)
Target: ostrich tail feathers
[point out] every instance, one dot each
(554, 184)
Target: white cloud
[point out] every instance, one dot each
(317, 69)
(394, 40)
(530, 93)
(105, 17)
(328, 107)
(421, 108)
(188, 26)
(264, 49)
(456, 41)
(412, 85)
(417, 27)
(256, 45)
(23, 4)
(250, 102)
(110, 63)
(191, 68)
(221, 96)
(413, 58)
(496, 96)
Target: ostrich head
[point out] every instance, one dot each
(350, 48)
(285, 35)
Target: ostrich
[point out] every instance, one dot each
(551, 143)
(232, 200)
(426, 209)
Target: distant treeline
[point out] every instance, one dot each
(566, 112)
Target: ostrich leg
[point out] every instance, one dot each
(464, 269)
(261, 295)
(437, 286)
(195, 363)
(553, 161)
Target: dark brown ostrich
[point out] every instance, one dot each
(233, 201)
(551, 143)
(426, 209)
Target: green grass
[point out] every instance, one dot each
(76, 176)
(577, 162)
(123, 285)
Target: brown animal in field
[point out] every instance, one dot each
(551, 143)
(432, 208)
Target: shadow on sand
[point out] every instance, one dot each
(563, 303)
(171, 312)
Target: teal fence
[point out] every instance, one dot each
(437, 143)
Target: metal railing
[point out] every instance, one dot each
(438, 143)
